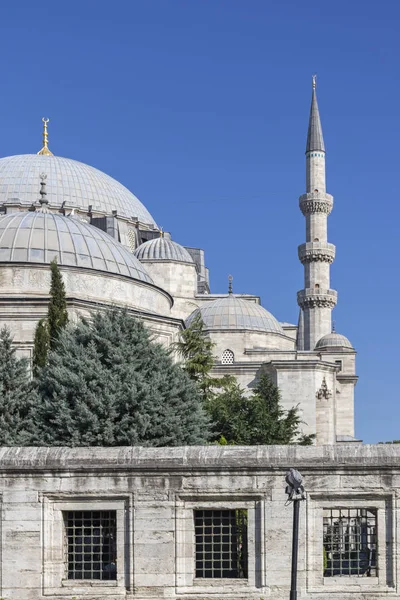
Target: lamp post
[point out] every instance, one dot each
(296, 493)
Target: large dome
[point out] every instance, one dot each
(69, 181)
(39, 237)
(231, 313)
(161, 248)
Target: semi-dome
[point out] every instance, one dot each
(161, 248)
(333, 340)
(232, 313)
(69, 181)
(39, 237)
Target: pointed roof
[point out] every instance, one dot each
(315, 139)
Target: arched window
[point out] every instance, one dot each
(227, 357)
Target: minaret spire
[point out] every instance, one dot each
(315, 139)
(45, 150)
(316, 300)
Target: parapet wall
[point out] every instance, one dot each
(156, 497)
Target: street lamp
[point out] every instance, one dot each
(296, 493)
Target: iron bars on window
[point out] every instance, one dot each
(350, 542)
(221, 543)
(91, 538)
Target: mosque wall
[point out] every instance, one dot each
(240, 341)
(345, 406)
(28, 280)
(179, 280)
(24, 300)
(146, 507)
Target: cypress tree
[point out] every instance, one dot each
(255, 419)
(197, 352)
(58, 315)
(107, 384)
(41, 346)
(16, 394)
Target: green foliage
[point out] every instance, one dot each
(196, 351)
(58, 315)
(16, 394)
(256, 419)
(41, 346)
(107, 384)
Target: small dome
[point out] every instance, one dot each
(69, 181)
(161, 248)
(39, 237)
(333, 340)
(232, 313)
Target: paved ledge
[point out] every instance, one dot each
(138, 458)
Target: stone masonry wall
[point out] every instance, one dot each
(154, 492)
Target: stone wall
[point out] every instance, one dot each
(153, 494)
(24, 298)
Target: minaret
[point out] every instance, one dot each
(316, 299)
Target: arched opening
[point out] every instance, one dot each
(227, 357)
(316, 286)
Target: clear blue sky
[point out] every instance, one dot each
(200, 107)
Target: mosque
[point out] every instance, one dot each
(112, 252)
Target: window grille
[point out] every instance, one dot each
(227, 357)
(350, 542)
(91, 544)
(132, 239)
(221, 543)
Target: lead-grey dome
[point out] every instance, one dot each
(333, 340)
(39, 237)
(235, 313)
(69, 181)
(162, 248)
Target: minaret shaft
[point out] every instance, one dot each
(315, 172)
(316, 299)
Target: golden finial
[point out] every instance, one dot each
(161, 232)
(230, 279)
(45, 150)
(314, 82)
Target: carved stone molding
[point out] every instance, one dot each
(309, 298)
(323, 392)
(316, 202)
(316, 252)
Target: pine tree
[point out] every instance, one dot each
(256, 419)
(58, 315)
(41, 346)
(16, 393)
(107, 384)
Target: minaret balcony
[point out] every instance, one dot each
(316, 252)
(316, 202)
(316, 298)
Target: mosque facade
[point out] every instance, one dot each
(112, 252)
